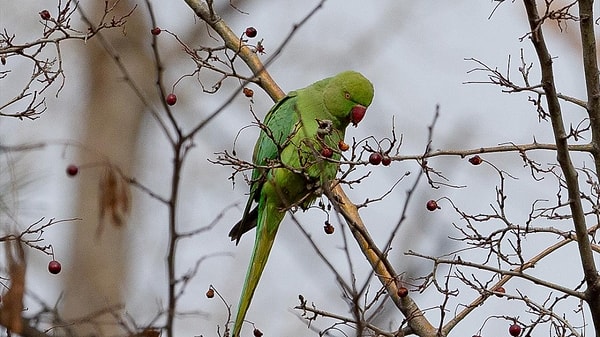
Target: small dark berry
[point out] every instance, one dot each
(45, 15)
(72, 170)
(386, 160)
(257, 333)
(250, 32)
(171, 99)
(155, 30)
(514, 330)
(475, 160)
(402, 292)
(248, 92)
(210, 293)
(54, 267)
(432, 205)
(326, 152)
(329, 229)
(343, 146)
(375, 158)
(500, 289)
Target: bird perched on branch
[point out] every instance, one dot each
(296, 157)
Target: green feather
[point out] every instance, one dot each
(295, 131)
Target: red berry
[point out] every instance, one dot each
(257, 333)
(386, 160)
(210, 293)
(171, 99)
(326, 152)
(250, 32)
(402, 292)
(155, 30)
(72, 170)
(432, 205)
(343, 146)
(248, 92)
(329, 229)
(514, 330)
(375, 158)
(500, 289)
(54, 267)
(45, 15)
(475, 160)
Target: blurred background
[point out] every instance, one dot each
(414, 52)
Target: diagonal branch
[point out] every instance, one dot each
(380, 264)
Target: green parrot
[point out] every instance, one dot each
(295, 157)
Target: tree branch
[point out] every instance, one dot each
(380, 264)
(233, 42)
(592, 81)
(563, 156)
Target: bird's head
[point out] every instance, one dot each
(347, 97)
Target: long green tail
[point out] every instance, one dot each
(269, 219)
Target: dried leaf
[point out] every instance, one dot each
(115, 197)
(12, 301)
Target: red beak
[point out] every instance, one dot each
(357, 114)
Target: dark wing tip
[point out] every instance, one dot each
(241, 227)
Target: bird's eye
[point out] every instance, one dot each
(347, 95)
